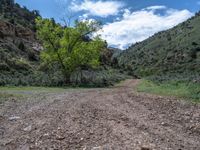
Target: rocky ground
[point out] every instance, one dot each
(116, 118)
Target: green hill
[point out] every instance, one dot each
(175, 51)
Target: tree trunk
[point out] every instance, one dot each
(81, 76)
(67, 78)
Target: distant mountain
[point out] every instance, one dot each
(176, 50)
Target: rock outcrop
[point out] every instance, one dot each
(9, 30)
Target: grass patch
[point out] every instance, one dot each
(31, 88)
(24, 92)
(186, 90)
(7, 96)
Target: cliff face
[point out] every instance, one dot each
(25, 33)
(19, 48)
(12, 33)
(6, 29)
(17, 29)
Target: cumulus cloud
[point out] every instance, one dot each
(139, 25)
(98, 8)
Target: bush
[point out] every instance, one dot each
(22, 64)
(4, 67)
(97, 78)
(21, 46)
(87, 78)
(32, 55)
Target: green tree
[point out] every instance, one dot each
(71, 47)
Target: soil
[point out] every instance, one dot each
(116, 118)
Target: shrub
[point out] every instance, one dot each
(4, 67)
(21, 46)
(21, 64)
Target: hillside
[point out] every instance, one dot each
(20, 62)
(176, 50)
(19, 48)
(17, 15)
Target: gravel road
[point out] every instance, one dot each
(116, 118)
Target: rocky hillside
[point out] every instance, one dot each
(17, 15)
(19, 54)
(19, 49)
(173, 51)
(18, 42)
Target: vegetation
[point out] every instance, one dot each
(169, 61)
(176, 50)
(15, 14)
(22, 93)
(71, 47)
(5, 96)
(20, 62)
(185, 90)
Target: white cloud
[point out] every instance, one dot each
(156, 7)
(83, 17)
(139, 25)
(98, 8)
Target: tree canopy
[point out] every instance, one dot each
(71, 47)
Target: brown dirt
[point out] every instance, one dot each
(115, 118)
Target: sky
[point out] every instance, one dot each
(125, 22)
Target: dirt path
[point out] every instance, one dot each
(115, 118)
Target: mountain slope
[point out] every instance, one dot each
(16, 15)
(20, 50)
(173, 51)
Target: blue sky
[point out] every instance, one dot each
(124, 21)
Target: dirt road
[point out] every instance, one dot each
(115, 118)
